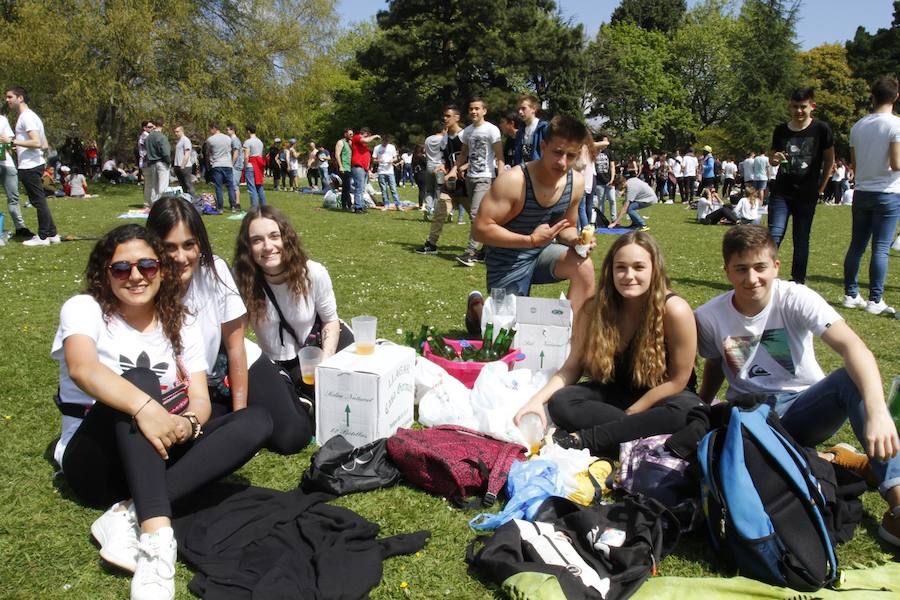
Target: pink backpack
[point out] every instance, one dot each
(455, 462)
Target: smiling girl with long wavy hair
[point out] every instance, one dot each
(636, 340)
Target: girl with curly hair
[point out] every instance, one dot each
(636, 340)
(213, 302)
(136, 413)
(290, 300)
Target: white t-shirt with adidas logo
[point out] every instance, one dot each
(771, 352)
(119, 347)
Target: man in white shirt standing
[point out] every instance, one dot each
(11, 182)
(385, 155)
(30, 142)
(480, 151)
(182, 162)
(875, 158)
(532, 132)
(689, 174)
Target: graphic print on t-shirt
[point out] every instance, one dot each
(740, 350)
(478, 154)
(800, 151)
(143, 362)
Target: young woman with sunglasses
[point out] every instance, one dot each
(136, 412)
(213, 302)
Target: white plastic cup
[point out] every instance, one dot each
(532, 431)
(310, 357)
(364, 330)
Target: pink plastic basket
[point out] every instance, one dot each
(467, 372)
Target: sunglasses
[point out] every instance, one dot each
(147, 267)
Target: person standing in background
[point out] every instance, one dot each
(875, 158)
(29, 142)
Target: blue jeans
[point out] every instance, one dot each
(818, 412)
(388, 184)
(360, 176)
(223, 175)
(587, 200)
(632, 213)
(604, 194)
(257, 192)
(780, 209)
(10, 178)
(875, 215)
(326, 178)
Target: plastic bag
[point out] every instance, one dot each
(591, 484)
(442, 399)
(570, 463)
(498, 395)
(528, 484)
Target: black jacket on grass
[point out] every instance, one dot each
(262, 543)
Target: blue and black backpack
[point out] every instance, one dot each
(764, 509)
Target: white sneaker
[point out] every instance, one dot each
(154, 577)
(55, 239)
(37, 241)
(117, 533)
(856, 301)
(879, 308)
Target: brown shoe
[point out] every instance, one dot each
(848, 457)
(890, 526)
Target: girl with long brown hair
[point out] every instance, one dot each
(136, 424)
(636, 340)
(290, 300)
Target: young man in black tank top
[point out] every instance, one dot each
(527, 209)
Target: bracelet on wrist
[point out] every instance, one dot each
(196, 430)
(134, 416)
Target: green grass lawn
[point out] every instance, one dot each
(45, 546)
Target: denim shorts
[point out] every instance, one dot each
(759, 184)
(519, 281)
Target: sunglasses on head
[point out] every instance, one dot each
(147, 267)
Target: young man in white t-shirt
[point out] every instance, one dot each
(532, 132)
(385, 155)
(759, 337)
(481, 149)
(29, 142)
(689, 166)
(875, 158)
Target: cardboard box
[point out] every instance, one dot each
(365, 397)
(543, 330)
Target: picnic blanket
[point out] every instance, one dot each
(613, 231)
(856, 584)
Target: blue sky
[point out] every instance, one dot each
(821, 21)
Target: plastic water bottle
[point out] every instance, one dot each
(532, 431)
(893, 400)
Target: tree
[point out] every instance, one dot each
(871, 56)
(427, 54)
(764, 69)
(107, 64)
(632, 90)
(653, 15)
(838, 93)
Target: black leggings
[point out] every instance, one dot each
(271, 389)
(597, 412)
(108, 459)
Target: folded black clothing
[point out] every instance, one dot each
(251, 542)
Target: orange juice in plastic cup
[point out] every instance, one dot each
(364, 328)
(309, 357)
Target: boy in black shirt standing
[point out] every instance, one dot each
(804, 149)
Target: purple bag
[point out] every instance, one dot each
(648, 468)
(455, 462)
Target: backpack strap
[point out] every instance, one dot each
(500, 473)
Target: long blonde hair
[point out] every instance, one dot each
(605, 309)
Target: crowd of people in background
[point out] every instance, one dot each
(531, 188)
